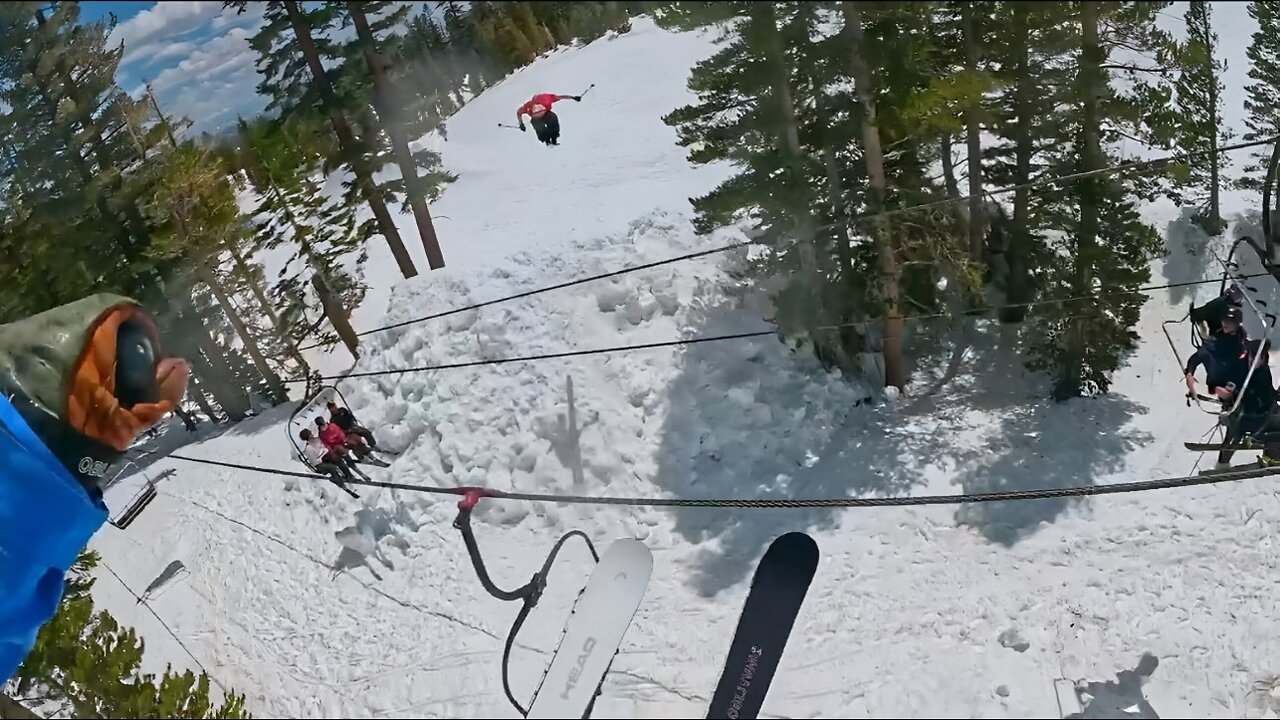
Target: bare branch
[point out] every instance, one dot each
(1135, 68)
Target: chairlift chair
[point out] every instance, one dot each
(301, 418)
(139, 502)
(1230, 266)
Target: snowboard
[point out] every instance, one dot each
(594, 631)
(777, 591)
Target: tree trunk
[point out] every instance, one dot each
(1088, 190)
(383, 94)
(260, 294)
(209, 362)
(197, 387)
(765, 18)
(949, 176)
(1215, 207)
(188, 421)
(201, 371)
(222, 382)
(329, 302)
(973, 131)
(886, 258)
(835, 189)
(250, 343)
(336, 313)
(10, 708)
(1018, 285)
(852, 340)
(347, 141)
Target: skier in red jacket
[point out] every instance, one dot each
(544, 121)
(337, 441)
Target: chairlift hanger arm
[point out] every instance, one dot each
(529, 593)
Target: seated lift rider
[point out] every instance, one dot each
(1224, 354)
(1257, 420)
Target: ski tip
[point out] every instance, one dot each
(631, 551)
(798, 546)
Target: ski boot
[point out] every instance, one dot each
(1270, 455)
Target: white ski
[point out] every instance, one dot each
(600, 619)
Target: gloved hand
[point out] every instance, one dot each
(521, 127)
(577, 98)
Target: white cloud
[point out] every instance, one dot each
(214, 82)
(164, 22)
(172, 50)
(198, 59)
(252, 16)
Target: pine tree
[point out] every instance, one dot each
(955, 100)
(513, 47)
(1199, 93)
(1263, 92)
(461, 30)
(747, 113)
(1107, 244)
(394, 122)
(57, 190)
(195, 205)
(522, 17)
(293, 210)
(86, 660)
(1032, 63)
(430, 64)
(291, 46)
(806, 109)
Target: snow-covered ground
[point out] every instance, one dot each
(1163, 598)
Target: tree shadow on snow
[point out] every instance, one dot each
(1037, 443)
(1188, 258)
(175, 437)
(1044, 445)
(755, 419)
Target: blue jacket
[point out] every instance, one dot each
(46, 519)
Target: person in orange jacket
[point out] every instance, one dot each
(78, 384)
(545, 123)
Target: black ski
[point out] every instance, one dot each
(1211, 447)
(777, 592)
(1233, 468)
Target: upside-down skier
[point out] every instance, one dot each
(77, 385)
(546, 125)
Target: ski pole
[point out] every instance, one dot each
(513, 127)
(584, 92)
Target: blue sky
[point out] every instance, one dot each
(195, 55)
(123, 10)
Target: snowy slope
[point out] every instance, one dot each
(909, 606)
(616, 162)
